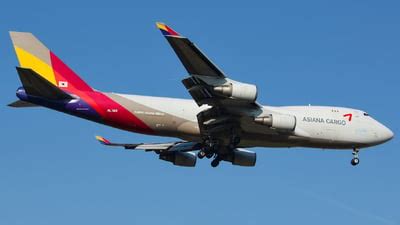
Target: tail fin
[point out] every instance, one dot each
(32, 54)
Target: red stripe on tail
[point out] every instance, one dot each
(66, 78)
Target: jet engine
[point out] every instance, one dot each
(278, 121)
(241, 157)
(187, 159)
(237, 90)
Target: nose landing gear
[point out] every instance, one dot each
(355, 161)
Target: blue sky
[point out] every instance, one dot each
(342, 53)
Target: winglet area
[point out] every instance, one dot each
(194, 61)
(166, 30)
(103, 140)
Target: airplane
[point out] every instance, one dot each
(221, 121)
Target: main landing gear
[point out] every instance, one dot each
(215, 161)
(209, 149)
(202, 153)
(355, 161)
(212, 148)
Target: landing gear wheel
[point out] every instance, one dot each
(210, 155)
(201, 154)
(215, 162)
(211, 145)
(355, 161)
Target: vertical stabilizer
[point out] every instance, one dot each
(33, 54)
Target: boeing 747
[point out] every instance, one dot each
(221, 120)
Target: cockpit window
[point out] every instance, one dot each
(366, 114)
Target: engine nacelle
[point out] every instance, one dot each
(187, 159)
(278, 121)
(241, 157)
(242, 91)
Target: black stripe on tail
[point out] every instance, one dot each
(36, 85)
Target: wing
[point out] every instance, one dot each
(207, 84)
(178, 153)
(180, 146)
(230, 100)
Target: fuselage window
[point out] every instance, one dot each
(366, 114)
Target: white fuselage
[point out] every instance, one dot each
(316, 126)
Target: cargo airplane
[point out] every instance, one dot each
(221, 120)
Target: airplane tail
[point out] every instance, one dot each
(50, 83)
(42, 73)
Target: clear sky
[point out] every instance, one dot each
(342, 53)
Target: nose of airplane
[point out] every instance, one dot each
(385, 134)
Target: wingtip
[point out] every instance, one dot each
(160, 25)
(102, 140)
(166, 30)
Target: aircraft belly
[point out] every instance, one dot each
(262, 140)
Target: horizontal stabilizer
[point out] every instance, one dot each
(36, 85)
(22, 104)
